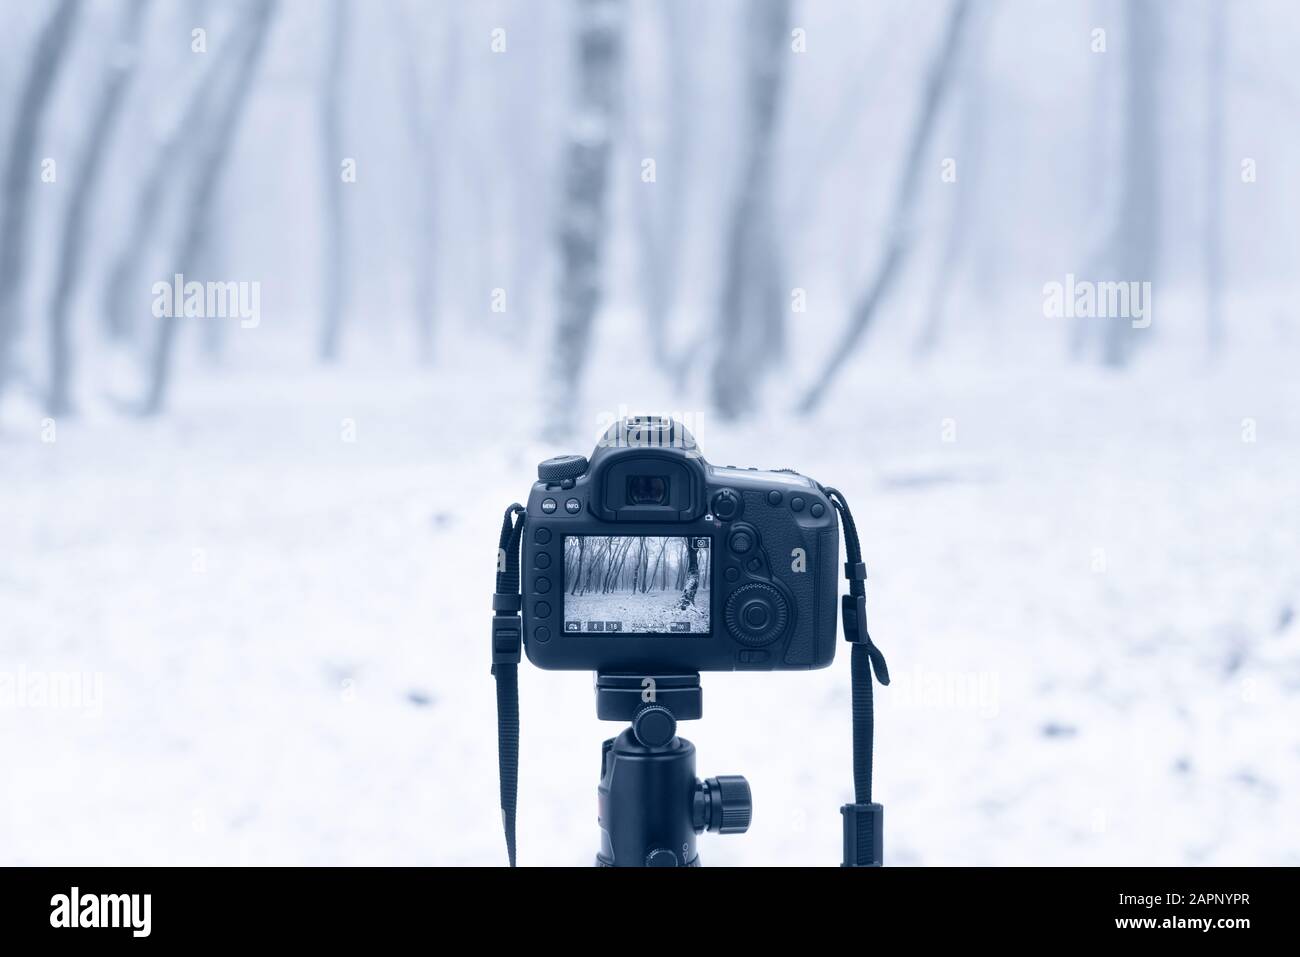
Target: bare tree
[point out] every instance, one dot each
(751, 314)
(692, 584)
(1133, 249)
(661, 206)
(898, 243)
(969, 173)
(148, 207)
(1217, 43)
(208, 166)
(582, 216)
(20, 171)
(103, 121)
(331, 114)
(426, 111)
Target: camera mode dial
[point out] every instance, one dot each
(726, 504)
(561, 467)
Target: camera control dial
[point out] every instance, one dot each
(561, 467)
(756, 613)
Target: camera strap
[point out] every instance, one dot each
(507, 645)
(863, 820)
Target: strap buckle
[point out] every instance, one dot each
(507, 639)
(853, 609)
(506, 601)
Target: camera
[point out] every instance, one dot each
(645, 558)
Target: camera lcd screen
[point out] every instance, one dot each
(637, 585)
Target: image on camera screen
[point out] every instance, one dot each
(636, 585)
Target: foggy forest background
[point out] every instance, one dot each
(824, 233)
(766, 189)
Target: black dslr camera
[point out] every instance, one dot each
(648, 565)
(646, 558)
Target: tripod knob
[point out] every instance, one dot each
(723, 804)
(654, 726)
(661, 857)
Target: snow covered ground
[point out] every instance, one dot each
(654, 612)
(1086, 586)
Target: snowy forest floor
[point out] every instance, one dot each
(1087, 599)
(652, 612)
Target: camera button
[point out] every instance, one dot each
(818, 509)
(543, 560)
(542, 536)
(741, 542)
(541, 584)
(732, 574)
(542, 610)
(796, 504)
(549, 505)
(774, 497)
(755, 565)
(573, 506)
(542, 633)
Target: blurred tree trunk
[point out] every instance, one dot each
(898, 243)
(751, 315)
(1214, 172)
(103, 120)
(969, 173)
(22, 172)
(423, 120)
(119, 310)
(208, 167)
(582, 228)
(661, 205)
(333, 270)
(1135, 239)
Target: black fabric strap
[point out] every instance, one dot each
(863, 820)
(507, 644)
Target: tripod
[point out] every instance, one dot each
(651, 804)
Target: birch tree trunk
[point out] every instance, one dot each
(22, 172)
(104, 119)
(751, 315)
(582, 228)
(898, 244)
